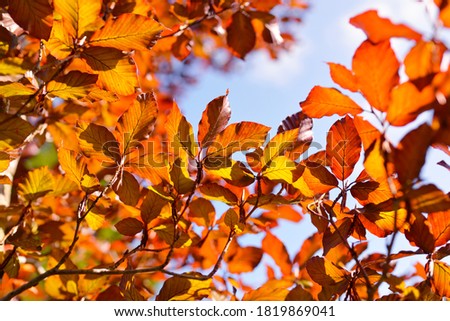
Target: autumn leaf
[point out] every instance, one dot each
(13, 131)
(4, 161)
(343, 77)
(60, 44)
(304, 124)
(323, 101)
(343, 147)
(233, 221)
(366, 131)
(10, 89)
(279, 144)
(383, 219)
(129, 226)
(428, 198)
(180, 176)
(233, 172)
(371, 191)
(214, 120)
(73, 167)
(377, 84)
(79, 16)
(202, 212)
(127, 32)
(135, 124)
(277, 250)
(379, 29)
(335, 236)
(127, 187)
(440, 226)
(441, 278)
(89, 183)
(273, 290)
(114, 69)
(184, 289)
(419, 233)
(97, 141)
(38, 183)
(35, 16)
(313, 179)
(241, 36)
(74, 85)
(243, 259)
(238, 137)
(280, 169)
(326, 273)
(152, 206)
(424, 59)
(309, 247)
(217, 192)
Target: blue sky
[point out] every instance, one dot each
(267, 91)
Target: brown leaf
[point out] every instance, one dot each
(241, 36)
(277, 250)
(323, 101)
(217, 192)
(299, 294)
(333, 237)
(98, 142)
(419, 234)
(214, 120)
(379, 29)
(152, 206)
(326, 273)
(129, 226)
(383, 219)
(13, 131)
(35, 16)
(202, 212)
(428, 199)
(244, 259)
(376, 69)
(343, 147)
(184, 289)
(127, 187)
(305, 135)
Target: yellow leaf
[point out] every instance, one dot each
(38, 183)
(74, 85)
(314, 179)
(325, 272)
(4, 161)
(89, 183)
(280, 168)
(60, 43)
(74, 167)
(14, 66)
(282, 142)
(9, 89)
(184, 289)
(180, 134)
(275, 290)
(233, 172)
(116, 72)
(441, 278)
(180, 177)
(98, 142)
(127, 32)
(94, 220)
(79, 16)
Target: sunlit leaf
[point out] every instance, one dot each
(60, 43)
(383, 219)
(379, 29)
(376, 85)
(180, 134)
(304, 124)
(441, 278)
(217, 192)
(309, 247)
(419, 234)
(275, 290)
(127, 32)
(35, 16)
(343, 147)
(184, 288)
(440, 226)
(97, 141)
(115, 70)
(135, 124)
(299, 294)
(127, 187)
(241, 36)
(343, 77)
(243, 259)
(73, 167)
(232, 220)
(233, 172)
(314, 179)
(424, 59)
(214, 120)
(14, 66)
(280, 168)
(371, 191)
(129, 226)
(9, 89)
(326, 273)
(323, 101)
(4, 161)
(202, 212)
(332, 237)
(428, 199)
(282, 142)
(366, 131)
(180, 176)
(89, 183)
(79, 16)
(152, 206)
(38, 183)
(74, 85)
(273, 246)
(95, 220)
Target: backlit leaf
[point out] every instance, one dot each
(314, 179)
(371, 191)
(233, 172)
(184, 289)
(273, 290)
(299, 294)
(379, 29)
(424, 59)
(343, 147)
(383, 219)
(180, 176)
(243, 259)
(60, 43)
(419, 234)
(440, 226)
(95, 220)
(79, 16)
(73, 167)
(129, 226)
(13, 131)
(97, 141)
(428, 199)
(89, 183)
(4, 161)
(441, 278)
(9, 89)
(135, 124)
(35, 16)
(238, 137)
(273, 246)
(343, 77)
(366, 131)
(127, 32)
(333, 237)
(279, 144)
(309, 247)
(202, 212)
(323, 101)
(116, 72)
(232, 220)
(326, 273)
(217, 192)
(38, 183)
(180, 134)
(152, 206)
(280, 169)
(127, 187)
(14, 66)
(376, 85)
(74, 85)
(305, 135)
(241, 36)
(214, 120)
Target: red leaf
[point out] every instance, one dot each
(214, 120)
(241, 36)
(440, 226)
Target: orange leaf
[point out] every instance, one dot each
(35, 16)
(304, 124)
(4, 161)
(60, 43)
(424, 59)
(127, 187)
(314, 179)
(309, 247)
(441, 278)
(428, 199)
(233, 221)
(366, 131)
(273, 290)
(276, 249)
(407, 102)
(202, 212)
(152, 206)
(243, 259)
(217, 192)
(79, 16)
(440, 226)
(116, 72)
(184, 289)
(38, 183)
(241, 36)
(376, 69)
(409, 156)
(419, 233)
(73, 167)
(379, 29)
(333, 237)
(214, 120)
(13, 131)
(323, 101)
(383, 219)
(135, 124)
(374, 161)
(128, 32)
(326, 273)
(129, 226)
(343, 147)
(371, 191)
(74, 85)
(238, 137)
(98, 142)
(343, 77)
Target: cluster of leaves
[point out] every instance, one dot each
(131, 198)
